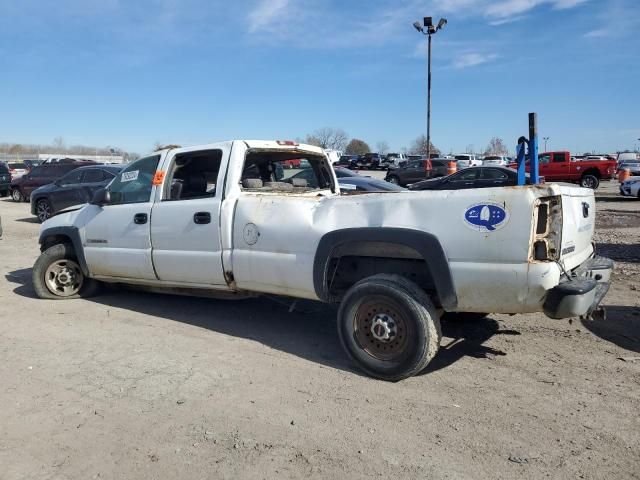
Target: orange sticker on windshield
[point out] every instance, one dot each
(158, 177)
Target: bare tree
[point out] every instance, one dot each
(329, 138)
(496, 147)
(470, 148)
(382, 147)
(59, 144)
(419, 147)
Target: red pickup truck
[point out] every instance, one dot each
(558, 166)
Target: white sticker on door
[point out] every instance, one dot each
(129, 176)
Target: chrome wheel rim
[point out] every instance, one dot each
(16, 195)
(64, 278)
(43, 210)
(589, 182)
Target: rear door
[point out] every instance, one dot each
(461, 180)
(185, 225)
(493, 177)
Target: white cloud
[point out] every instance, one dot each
(473, 59)
(508, 8)
(601, 32)
(503, 21)
(266, 13)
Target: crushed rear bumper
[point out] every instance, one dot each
(581, 294)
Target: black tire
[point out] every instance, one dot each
(393, 179)
(61, 256)
(404, 314)
(43, 210)
(463, 316)
(590, 181)
(16, 195)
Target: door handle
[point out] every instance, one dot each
(140, 218)
(202, 218)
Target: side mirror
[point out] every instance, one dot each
(101, 197)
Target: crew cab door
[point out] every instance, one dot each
(117, 235)
(274, 241)
(185, 225)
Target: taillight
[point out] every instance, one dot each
(547, 236)
(427, 165)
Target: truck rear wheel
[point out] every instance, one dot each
(590, 181)
(57, 275)
(389, 327)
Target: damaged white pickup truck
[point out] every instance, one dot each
(229, 219)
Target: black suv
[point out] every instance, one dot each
(348, 161)
(76, 187)
(370, 161)
(5, 180)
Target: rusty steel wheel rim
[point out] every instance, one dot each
(381, 329)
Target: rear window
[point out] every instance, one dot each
(462, 157)
(3, 168)
(19, 166)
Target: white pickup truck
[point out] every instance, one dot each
(226, 219)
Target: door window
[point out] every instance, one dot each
(193, 175)
(71, 178)
(558, 157)
(493, 174)
(93, 175)
(134, 183)
(465, 176)
(544, 159)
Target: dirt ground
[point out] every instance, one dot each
(145, 386)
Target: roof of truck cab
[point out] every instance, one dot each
(257, 144)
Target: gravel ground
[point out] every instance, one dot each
(145, 386)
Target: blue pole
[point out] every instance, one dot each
(533, 149)
(520, 159)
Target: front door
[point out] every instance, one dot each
(117, 239)
(185, 225)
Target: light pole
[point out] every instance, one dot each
(546, 139)
(429, 29)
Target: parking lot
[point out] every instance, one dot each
(140, 385)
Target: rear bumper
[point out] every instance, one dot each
(582, 293)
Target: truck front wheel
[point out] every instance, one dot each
(57, 275)
(590, 181)
(389, 327)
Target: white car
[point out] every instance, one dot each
(465, 160)
(628, 157)
(225, 220)
(17, 169)
(630, 187)
(495, 160)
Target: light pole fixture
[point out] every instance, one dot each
(428, 29)
(546, 139)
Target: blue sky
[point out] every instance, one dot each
(130, 73)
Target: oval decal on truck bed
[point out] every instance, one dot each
(486, 217)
